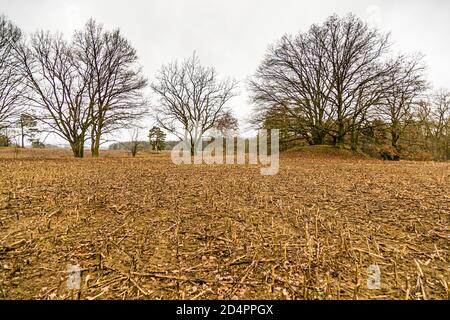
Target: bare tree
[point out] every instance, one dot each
(57, 88)
(134, 146)
(11, 88)
(115, 81)
(191, 99)
(326, 78)
(290, 127)
(227, 124)
(291, 78)
(354, 69)
(440, 118)
(406, 86)
(431, 121)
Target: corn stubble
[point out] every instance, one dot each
(147, 229)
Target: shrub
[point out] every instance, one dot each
(4, 141)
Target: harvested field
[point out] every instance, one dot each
(144, 228)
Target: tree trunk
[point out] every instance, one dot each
(95, 141)
(318, 137)
(134, 150)
(96, 136)
(78, 147)
(354, 139)
(23, 136)
(95, 147)
(192, 150)
(394, 139)
(338, 139)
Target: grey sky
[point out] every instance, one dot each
(233, 35)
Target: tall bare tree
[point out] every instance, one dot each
(406, 86)
(326, 78)
(191, 99)
(440, 119)
(291, 78)
(11, 88)
(135, 145)
(115, 84)
(354, 53)
(227, 124)
(57, 88)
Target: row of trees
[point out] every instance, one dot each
(339, 81)
(92, 85)
(79, 89)
(156, 142)
(11, 87)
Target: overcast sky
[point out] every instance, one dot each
(233, 35)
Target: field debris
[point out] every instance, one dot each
(145, 228)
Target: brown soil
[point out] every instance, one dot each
(144, 228)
